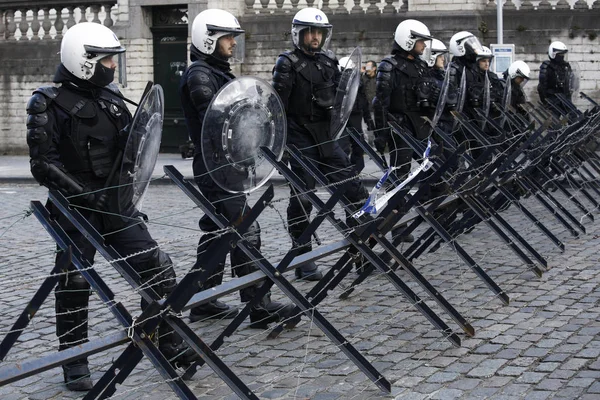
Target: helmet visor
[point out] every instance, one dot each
(313, 39)
(101, 52)
(214, 29)
(439, 58)
(472, 45)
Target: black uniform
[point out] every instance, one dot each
(74, 133)
(307, 86)
(398, 78)
(555, 78)
(199, 84)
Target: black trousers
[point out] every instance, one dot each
(233, 207)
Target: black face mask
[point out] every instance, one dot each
(560, 58)
(102, 75)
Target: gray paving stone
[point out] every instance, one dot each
(486, 368)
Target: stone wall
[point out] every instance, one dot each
(531, 32)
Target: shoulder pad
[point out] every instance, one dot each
(390, 59)
(386, 65)
(114, 87)
(283, 63)
(38, 103)
(290, 56)
(297, 63)
(329, 54)
(49, 91)
(325, 59)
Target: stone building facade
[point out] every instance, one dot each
(156, 35)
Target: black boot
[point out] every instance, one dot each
(214, 309)
(72, 294)
(309, 272)
(267, 311)
(77, 376)
(172, 346)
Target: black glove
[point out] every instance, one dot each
(96, 199)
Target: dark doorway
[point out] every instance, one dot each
(170, 33)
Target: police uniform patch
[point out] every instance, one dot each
(115, 111)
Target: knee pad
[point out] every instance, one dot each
(160, 273)
(73, 290)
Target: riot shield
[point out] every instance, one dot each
(244, 115)
(443, 96)
(485, 107)
(507, 96)
(462, 92)
(574, 78)
(346, 93)
(141, 150)
(506, 99)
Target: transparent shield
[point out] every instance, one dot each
(345, 95)
(441, 104)
(574, 77)
(245, 115)
(507, 95)
(141, 151)
(462, 92)
(486, 99)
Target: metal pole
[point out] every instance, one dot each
(500, 28)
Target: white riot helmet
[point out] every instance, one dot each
(519, 69)
(465, 44)
(307, 19)
(437, 49)
(345, 62)
(409, 31)
(83, 46)
(210, 25)
(556, 48)
(485, 54)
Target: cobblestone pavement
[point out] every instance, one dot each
(544, 344)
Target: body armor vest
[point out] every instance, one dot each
(313, 92)
(558, 78)
(91, 144)
(406, 78)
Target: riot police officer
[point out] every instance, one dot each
(496, 85)
(398, 77)
(360, 112)
(306, 79)
(555, 78)
(465, 47)
(74, 133)
(213, 43)
(437, 61)
(518, 74)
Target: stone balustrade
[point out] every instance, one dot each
(35, 20)
(401, 6)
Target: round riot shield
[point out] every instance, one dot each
(442, 99)
(245, 115)
(574, 78)
(346, 93)
(141, 150)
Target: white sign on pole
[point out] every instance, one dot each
(504, 55)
